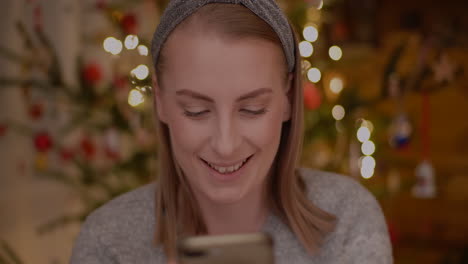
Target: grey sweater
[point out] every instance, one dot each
(122, 230)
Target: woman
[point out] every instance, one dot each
(228, 97)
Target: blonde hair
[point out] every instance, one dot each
(177, 213)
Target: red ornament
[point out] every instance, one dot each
(66, 154)
(312, 97)
(43, 142)
(92, 73)
(35, 111)
(129, 23)
(3, 129)
(88, 148)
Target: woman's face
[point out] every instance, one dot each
(224, 103)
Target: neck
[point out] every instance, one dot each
(244, 216)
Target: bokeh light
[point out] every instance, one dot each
(338, 112)
(314, 75)
(112, 45)
(131, 42)
(336, 85)
(335, 53)
(141, 72)
(310, 33)
(363, 134)
(368, 148)
(135, 98)
(143, 50)
(306, 49)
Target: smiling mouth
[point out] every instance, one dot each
(228, 169)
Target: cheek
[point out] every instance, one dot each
(265, 132)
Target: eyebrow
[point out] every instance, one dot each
(250, 95)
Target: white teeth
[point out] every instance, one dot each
(230, 169)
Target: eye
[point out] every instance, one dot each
(195, 114)
(254, 112)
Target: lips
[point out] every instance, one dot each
(227, 169)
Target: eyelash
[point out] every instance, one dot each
(250, 112)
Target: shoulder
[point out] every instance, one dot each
(126, 209)
(361, 232)
(335, 192)
(126, 218)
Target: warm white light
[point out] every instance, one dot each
(368, 162)
(338, 112)
(141, 72)
(135, 98)
(131, 42)
(368, 148)
(314, 75)
(320, 5)
(336, 85)
(112, 45)
(363, 134)
(306, 49)
(367, 172)
(143, 50)
(335, 52)
(310, 33)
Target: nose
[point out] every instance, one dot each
(226, 137)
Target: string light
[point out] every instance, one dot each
(131, 42)
(141, 72)
(310, 33)
(335, 53)
(363, 134)
(368, 161)
(338, 112)
(368, 148)
(314, 75)
(135, 98)
(112, 45)
(368, 124)
(367, 172)
(306, 49)
(336, 85)
(143, 50)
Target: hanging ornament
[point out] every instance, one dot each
(444, 70)
(129, 23)
(3, 129)
(312, 97)
(425, 176)
(88, 148)
(400, 132)
(35, 111)
(43, 142)
(425, 181)
(92, 73)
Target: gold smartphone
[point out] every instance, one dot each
(226, 249)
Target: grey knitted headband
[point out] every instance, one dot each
(268, 10)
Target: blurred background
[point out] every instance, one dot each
(385, 92)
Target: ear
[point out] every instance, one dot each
(288, 98)
(157, 99)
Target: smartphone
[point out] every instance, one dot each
(226, 249)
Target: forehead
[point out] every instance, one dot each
(203, 60)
